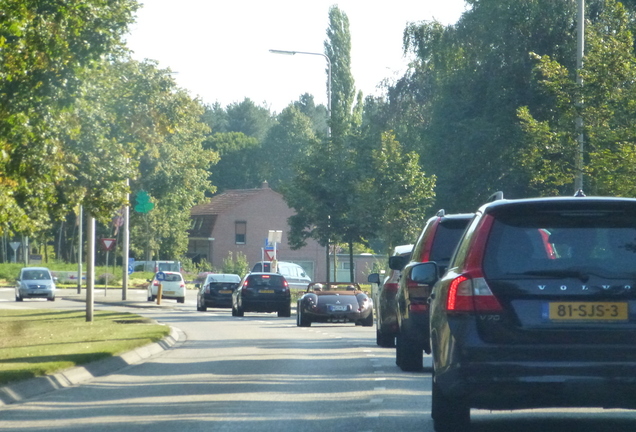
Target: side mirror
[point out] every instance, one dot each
(197, 285)
(424, 273)
(374, 278)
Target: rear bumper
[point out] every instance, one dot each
(265, 305)
(505, 385)
(220, 302)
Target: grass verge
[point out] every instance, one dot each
(39, 342)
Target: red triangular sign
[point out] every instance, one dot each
(108, 243)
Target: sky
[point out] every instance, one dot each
(219, 49)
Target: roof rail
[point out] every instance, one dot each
(496, 196)
(441, 213)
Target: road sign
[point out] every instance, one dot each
(108, 243)
(143, 202)
(161, 276)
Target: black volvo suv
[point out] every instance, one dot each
(537, 309)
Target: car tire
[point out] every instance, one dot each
(233, 311)
(448, 415)
(285, 312)
(384, 340)
(302, 321)
(51, 298)
(18, 298)
(408, 356)
(368, 321)
(239, 312)
(181, 300)
(149, 297)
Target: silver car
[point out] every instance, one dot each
(35, 282)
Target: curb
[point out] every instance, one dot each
(20, 391)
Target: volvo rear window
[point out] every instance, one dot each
(562, 244)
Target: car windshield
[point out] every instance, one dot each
(36, 275)
(562, 247)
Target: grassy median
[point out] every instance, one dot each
(40, 342)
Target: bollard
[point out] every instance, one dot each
(159, 295)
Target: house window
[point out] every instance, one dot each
(240, 229)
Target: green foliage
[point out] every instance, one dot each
(47, 48)
(236, 265)
(607, 110)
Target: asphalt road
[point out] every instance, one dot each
(261, 373)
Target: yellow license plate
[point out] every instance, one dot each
(266, 291)
(589, 311)
(225, 291)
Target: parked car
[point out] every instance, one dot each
(216, 291)
(35, 282)
(262, 292)
(535, 309)
(294, 274)
(334, 303)
(436, 242)
(384, 300)
(172, 286)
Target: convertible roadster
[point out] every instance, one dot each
(334, 303)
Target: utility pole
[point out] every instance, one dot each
(580, 50)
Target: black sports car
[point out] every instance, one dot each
(334, 303)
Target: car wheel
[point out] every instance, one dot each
(149, 297)
(384, 340)
(448, 415)
(18, 298)
(368, 321)
(239, 311)
(285, 313)
(408, 356)
(201, 307)
(233, 311)
(302, 319)
(51, 298)
(181, 300)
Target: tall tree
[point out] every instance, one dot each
(286, 144)
(46, 49)
(343, 92)
(608, 95)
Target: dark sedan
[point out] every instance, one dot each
(216, 291)
(334, 303)
(262, 292)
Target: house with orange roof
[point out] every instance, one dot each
(239, 221)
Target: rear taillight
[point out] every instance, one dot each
(181, 285)
(391, 286)
(156, 283)
(467, 294)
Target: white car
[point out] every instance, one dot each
(35, 282)
(172, 286)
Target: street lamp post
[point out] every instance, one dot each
(284, 52)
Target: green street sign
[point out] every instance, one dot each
(143, 202)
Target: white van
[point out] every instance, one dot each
(294, 274)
